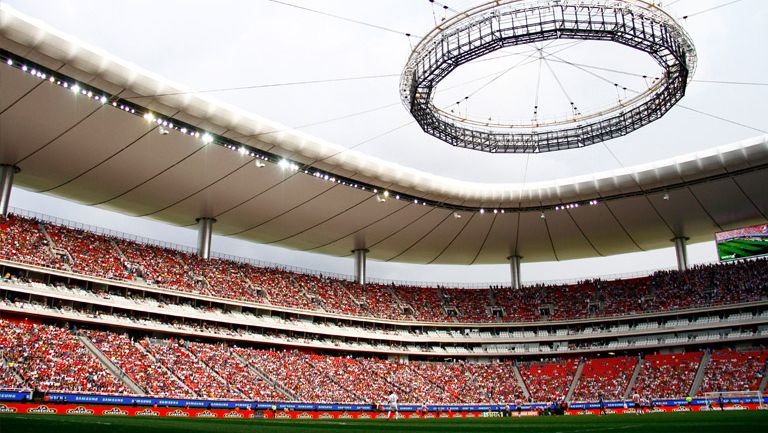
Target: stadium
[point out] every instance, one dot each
(102, 329)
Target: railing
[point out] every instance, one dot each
(265, 264)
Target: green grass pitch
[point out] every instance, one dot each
(720, 422)
(741, 248)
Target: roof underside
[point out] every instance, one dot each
(95, 154)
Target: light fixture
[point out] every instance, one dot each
(457, 215)
(666, 196)
(163, 131)
(542, 215)
(260, 164)
(207, 138)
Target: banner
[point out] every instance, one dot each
(124, 411)
(91, 399)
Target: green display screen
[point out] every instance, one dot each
(742, 243)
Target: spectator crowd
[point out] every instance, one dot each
(43, 244)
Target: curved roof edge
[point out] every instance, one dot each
(97, 63)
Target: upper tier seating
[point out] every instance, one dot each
(25, 240)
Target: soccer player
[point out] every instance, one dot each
(519, 406)
(601, 402)
(636, 401)
(392, 399)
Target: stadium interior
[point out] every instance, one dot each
(92, 315)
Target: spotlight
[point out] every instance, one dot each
(666, 196)
(163, 131)
(260, 164)
(457, 215)
(542, 215)
(207, 139)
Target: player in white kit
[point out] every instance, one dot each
(392, 399)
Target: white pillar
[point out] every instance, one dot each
(6, 184)
(359, 255)
(514, 267)
(204, 232)
(681, 251)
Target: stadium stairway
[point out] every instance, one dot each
(288, 394)
(575, 381)
(120, 254)
(111, 367)
(521, 382)
(212, 371)
(400, 303)
(764, 382)
(19, 379)
(54, 250)
(168, 372)
(700, 374)
(633, 379)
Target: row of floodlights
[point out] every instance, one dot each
(165, 126)
(575, 205)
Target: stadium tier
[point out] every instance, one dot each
(80, 252)
(88, 313)
(52, 358)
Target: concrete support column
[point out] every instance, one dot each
(204, 232)
(6, 184)
(514, 267)
(360, 265)
(681, 251)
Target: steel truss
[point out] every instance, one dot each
(502, 24)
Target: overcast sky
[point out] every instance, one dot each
(229, 43)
